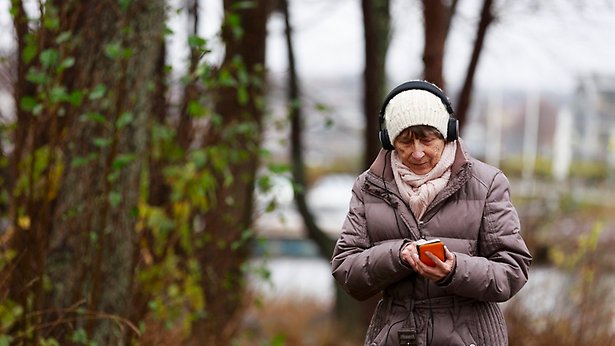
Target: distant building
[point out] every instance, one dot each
(594, 119)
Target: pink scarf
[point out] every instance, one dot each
(420, 190)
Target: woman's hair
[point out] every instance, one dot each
(421, 131)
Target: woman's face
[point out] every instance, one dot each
(419, 148)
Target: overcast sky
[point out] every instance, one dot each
(543, 47)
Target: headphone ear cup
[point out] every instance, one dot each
(452, 130)
(383, 135)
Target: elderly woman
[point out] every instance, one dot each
(423, 185)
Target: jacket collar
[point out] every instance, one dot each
(381, 166)
(381, 174)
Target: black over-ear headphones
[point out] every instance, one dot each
(453, 123)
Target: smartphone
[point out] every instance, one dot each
(435, 246)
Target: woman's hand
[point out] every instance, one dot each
(409, 255)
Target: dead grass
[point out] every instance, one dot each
(584, 320)
(525, 329)
(291, 323)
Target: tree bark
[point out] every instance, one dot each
(80, 211)
(226, 233)
(376, 24)
(24, 277)
(159, 189)
(436, 22)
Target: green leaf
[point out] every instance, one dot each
(28, 103)
(50, 22)
(66, 63)
(96, 117)
(63, 37)
(38, 109)
(196, 41)
(29, 52)
(264, 183)
(124, 119)
(58, 94)
(271, 206)
(195, 109)
(113, 50)
(113, 176)
(233, 20)
(243, 96)
(115, 198)
(244, 5)
(79, 161)
(102, 142)
(134, 212)
(279, 168)
(80, 336)
(198, 157)
(124, 4)
(123, 160)
(225, 78)
(35, 76)
(245, 236)
(98, 92)
(242, 74)
(127, 52)
(93, 238)
(49, 57)
(278, 340)
(5, 340)
(75, 98)
(10, 312)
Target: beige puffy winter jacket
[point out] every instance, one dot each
(474, 217)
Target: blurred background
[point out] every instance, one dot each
(176, 172)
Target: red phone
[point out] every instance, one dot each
(435, 246)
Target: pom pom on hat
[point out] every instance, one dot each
(415, 107)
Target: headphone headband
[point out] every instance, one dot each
(453, 124)
(417, 85)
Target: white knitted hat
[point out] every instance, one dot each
(415, 107)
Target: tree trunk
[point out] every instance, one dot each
(464, 99)
(376, 24)
(24, 278)
(436, 22)
(323, 242)
(159, 189)
(88, 140)
(240, 106)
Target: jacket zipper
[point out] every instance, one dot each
(420, 224)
